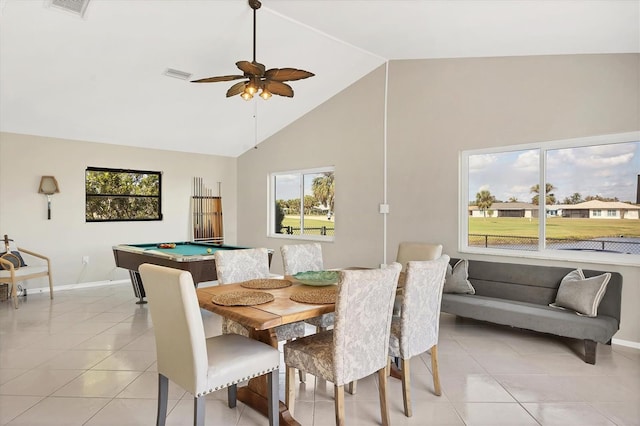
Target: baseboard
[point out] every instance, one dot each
(627, 343)
(77, 286)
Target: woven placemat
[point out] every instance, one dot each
(242, 298)
(316, 296)
(265, 283)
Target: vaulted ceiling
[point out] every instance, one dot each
(100, 77)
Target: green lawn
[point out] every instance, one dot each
(310, 222)
(556, 227)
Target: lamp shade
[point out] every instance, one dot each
(48, 185)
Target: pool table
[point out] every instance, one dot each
(195, 257)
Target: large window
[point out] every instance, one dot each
(573, 199)
(301, 204)
(122, 195)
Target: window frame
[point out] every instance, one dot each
(271, 201)
(541, 252)
(131, 171)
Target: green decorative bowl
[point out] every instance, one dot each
(317, 278)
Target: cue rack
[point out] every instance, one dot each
(206, 210)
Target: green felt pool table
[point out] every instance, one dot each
(195, 257)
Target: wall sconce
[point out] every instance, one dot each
(48, 187)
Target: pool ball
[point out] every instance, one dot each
(209, 250)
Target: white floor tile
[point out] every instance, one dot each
(88, 358)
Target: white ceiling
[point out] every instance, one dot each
(100, 78)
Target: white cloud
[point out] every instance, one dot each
(481, 162)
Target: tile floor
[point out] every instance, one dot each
(88, 358)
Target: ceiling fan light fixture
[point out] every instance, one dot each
(257, 77)
(265, 94)
(251, 88)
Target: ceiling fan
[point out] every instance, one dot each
(267, 82)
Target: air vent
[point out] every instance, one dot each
(77, 7)
(182, 75)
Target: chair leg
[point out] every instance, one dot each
(273, 398)
(163, 394)
(290, 389)
(384, 408)
(232, 396)
(352, 387)
(406, 387)
(50, 283)
(338, 394)
(198, 410)
(14, 294)
(434, 370)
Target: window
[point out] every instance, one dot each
(122, 195)
(301, 204)
(589, 202)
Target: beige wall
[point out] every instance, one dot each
(437, 108)
(66, 238)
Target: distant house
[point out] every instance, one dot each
(596, 209)
(525, 210)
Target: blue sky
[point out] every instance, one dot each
(288, 186)
(605, 170)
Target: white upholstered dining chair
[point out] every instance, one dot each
(302, 258)
(197, 364)
(357, 346)
(415, 331)
(417, 251)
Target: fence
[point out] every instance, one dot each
(322, 230)
(628, 245)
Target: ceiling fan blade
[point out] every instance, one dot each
(278, 88)
(251, 68)
(216, 79)
(287, 74)
(236, 89)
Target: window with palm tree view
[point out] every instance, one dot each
(577, 195)
(303, 204)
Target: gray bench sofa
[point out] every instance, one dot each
(519, 296)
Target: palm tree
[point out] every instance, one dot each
(549, 197)
(484, 200)
(323, 188)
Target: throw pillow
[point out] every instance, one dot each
(580, 294)
(12, 255)
(457, 278)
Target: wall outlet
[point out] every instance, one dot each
(85, 260)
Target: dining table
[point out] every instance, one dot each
(261, 320)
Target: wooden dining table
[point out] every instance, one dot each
(261, 321)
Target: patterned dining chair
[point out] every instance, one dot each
(234, 266)
(415, 331)
(301, 258)
(357, 346)
(198, 364)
